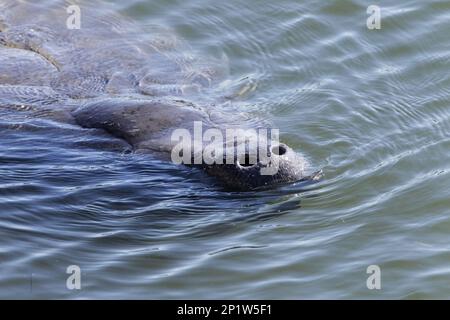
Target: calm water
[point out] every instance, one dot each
(369, 107)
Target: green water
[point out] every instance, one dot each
(369, 107)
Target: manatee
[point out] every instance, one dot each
(137, 83)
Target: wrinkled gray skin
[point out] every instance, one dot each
(112, 75)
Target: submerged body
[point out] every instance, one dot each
(105, 76)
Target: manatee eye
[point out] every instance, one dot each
(279, 150)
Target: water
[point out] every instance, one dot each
(369, 107)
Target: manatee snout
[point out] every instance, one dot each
(250, 171)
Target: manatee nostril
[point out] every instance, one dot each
(279, 150)
(246, 161)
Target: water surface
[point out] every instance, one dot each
(369, 107)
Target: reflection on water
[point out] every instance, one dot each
(370, 107)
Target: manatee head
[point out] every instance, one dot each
(248, 160)
(248, 172)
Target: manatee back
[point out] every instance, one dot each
(144, 123)
(107, 55)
